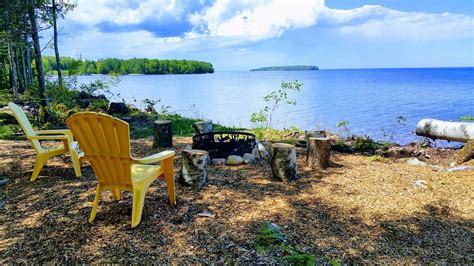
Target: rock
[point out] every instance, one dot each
(427, 156)
(461, 169)
(234, 160)
(400, 151)
(206, 214)
(3, 181)
(203, 127)
(421, 184)
(301, 142)
(219, 161)
(452, 164)
(263, 150)
(416, 162)
(118, 108)
(249, 158)
(256, 153)
(437, 168)
(379, 152)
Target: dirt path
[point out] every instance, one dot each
(363, 211)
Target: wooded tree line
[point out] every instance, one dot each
(126, 66)
(20, 48)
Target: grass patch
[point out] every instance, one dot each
(10, 132)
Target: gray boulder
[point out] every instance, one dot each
(249, 158)
(234, 160)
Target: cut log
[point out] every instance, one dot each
(163, 134)
(318, 152)
(453, 131)
(283, 161)
(194, 168)
(203, 127)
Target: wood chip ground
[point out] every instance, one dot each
(358, 211)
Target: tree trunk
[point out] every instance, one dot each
(23, 67)
(163, 133)
(203, 127)
(12, 68)
(318, 152)
(56, 49)
(194, 167)
(21, 87)
(283, 161)
(39, 66)
(453, 131)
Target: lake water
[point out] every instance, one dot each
(369, 99)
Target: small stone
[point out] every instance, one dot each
(421, 184)
(249, 158)
(461, 169)
(452, 164)
(219, 161)
(234, 160)
(416, 162)
(427, 156)
(206, 214)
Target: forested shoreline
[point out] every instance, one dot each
(126, 66)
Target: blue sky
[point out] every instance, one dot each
(244, 34)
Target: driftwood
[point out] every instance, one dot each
(318, 152)
(283, 161)
(194, 168)
(203, 127)
(163, 134)
(453, 131)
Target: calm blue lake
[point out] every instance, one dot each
(369, 99)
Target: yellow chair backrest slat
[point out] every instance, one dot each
(105, 142)
(25, 125)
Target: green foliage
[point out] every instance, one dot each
(302, 258)
(466, 118)
(366, 144)
(126, 66)
(270, 235)
(273, 101)
(344, 125)
(276, 135)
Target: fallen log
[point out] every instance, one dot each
(453, 131)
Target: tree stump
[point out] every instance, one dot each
(203, 127)
(466, 153)
(283, 161)
(318, 152)
(194, 168)
(163, 134)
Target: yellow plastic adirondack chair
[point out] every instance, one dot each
(105, 142)
(43, 154)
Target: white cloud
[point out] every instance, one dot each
(232, 23)
(377, 22)
(122, 12)
(256, 20)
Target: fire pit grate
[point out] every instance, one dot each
(223, 144)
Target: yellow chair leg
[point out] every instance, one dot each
(117, 193)
(76, 163)
(40, 161)
(171, 188)
(95, 204)
(138, 202)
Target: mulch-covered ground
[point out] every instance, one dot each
(362, 210)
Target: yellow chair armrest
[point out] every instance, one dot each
(155, 157)
(54, 132)
(49, 137)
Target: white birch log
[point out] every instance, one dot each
(453, 131)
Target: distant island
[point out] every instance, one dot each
(291, 68)
(126, 66)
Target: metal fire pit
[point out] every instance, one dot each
(225, 143)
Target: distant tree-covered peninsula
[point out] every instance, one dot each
(276, 68)
(127, 66)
